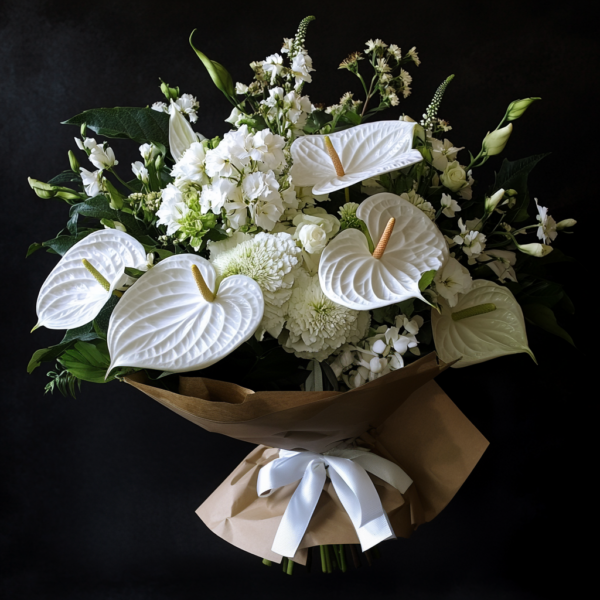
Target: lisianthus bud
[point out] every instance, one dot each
(73, 162)
(535, 249)
(565, 223)
(491, 203)
(43, 190)
(518, 107)
(496, 141)
(159, 162)
(83, 130)
(169, 92)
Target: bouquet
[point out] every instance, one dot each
(333, 261)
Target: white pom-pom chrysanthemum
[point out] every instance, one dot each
(272, 260)
(317, 326)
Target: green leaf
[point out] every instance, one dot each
(47, 354)
(62, 243)
(543, 292)
(143, 125)
(218, 73)
(407, 307)
(88, 361)
(84, 333)
(255, 122)
(426, 279)
(103, 318)
(543, 317)
(385, 314)
(66, 177)
(316, 120)
(33, 248)
(137, 273)
(99, 208)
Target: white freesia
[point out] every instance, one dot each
(72, 296)
(452, 280)
(165, 323)
(450, 206)
(351, 276)
(92, 181)
(272, 260)
(365, 151)
(103, 157)
(316, 326)
(480, 337)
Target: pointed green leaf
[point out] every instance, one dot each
(543, 317)
(218, 73)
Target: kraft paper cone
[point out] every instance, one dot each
(403, 416)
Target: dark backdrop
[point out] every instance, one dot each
(99, 493)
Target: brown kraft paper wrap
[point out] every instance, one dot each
(403, 416)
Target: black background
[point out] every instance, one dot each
(99, 493)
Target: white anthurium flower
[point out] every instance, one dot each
(362, 152)
(181, 134)
(75, 291)
(409, 245)
(485, 323)
(176, 319)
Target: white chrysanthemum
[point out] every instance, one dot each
(420, 203)
(272, 260)
(317, 326)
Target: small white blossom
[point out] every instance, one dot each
(453, 279)
(301, 68)
(172, 209)
(160, 107)
(472, 241)
(546, 230)
(443, 153)
(92, 181)
(103, 157)
(273, 66)
(501, 262)
(450, 205)
(140, 171)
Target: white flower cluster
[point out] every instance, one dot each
(379, 354)
(102, 157)
(186, 104)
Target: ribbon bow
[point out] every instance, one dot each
(347, 469)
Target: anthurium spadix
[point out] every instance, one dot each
(487, 322)
(408, 245)
(176, 318)
(362, 152)
(86, 276)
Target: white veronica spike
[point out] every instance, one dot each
(353, 277)
(487, 322)
(364, 151)
(167, 322)
(73, 295)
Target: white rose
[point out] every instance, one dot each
(313, 238)
(454, 177)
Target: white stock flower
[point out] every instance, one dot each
(215, 195)
(301, 68)
(172, 209)
(140, 171)
(316, 326)
(451, 206)
(88, 143)
(472, 241)
(147, 151)
(188, 104)
(443, 153)
(273, 65)
(272, 260)
(160, 107)
(546, 230)
(501, 262)
(453, 279)
(92, 181)
(241, 88)
(103, 157)
(191, 166)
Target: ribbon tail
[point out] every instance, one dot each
(299, 511)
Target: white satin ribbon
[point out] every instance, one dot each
(347, 469)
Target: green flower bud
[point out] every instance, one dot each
(83, 130)
(491, 203)
(43, 190)
(565, 224)
(169, 92)
(535, 249)
(518, 107)
(159, 162)
(67, 194)
(73, 162)
(496, 141)
(116, 200)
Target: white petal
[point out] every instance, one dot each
(164, 323)
(349, 274)
(365, 151)
(71, 297)
(482, 337)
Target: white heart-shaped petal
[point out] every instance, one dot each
(481, 337)
(71, 296)
(352, 277)
(164, 323)
(365, 151)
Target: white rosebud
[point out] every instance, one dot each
(565, 223)
(313, 238)
(454, 177)
(535, 249)
(496, 141)
(491, 203)
(518, 107)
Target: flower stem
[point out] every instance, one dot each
(347, 194)
(323, 560)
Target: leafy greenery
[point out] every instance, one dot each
(63, 381)
(142, 125)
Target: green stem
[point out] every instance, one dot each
(323, 560)
(473, 311)
(347, 194)
(328, 559)
(120, 180)
(290, 566)
(342, 553)
(267, 562)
